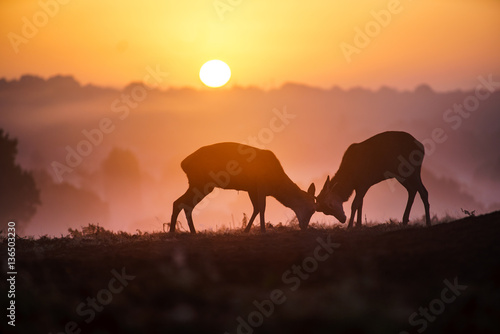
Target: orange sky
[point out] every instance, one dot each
(444, 43)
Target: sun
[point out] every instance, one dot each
(215, 73)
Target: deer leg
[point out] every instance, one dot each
(254, 199)
(353, 212)
(359, 214)
(356, 206)
(424, 195)
(411, 197)
(179, 204)
(262, 208)
(417, 186)
(187, 202)
(361, 195)
(189, 217)
(249, 225)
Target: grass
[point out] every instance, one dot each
(185, 283)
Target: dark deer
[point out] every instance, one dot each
(384, 156)
(241, 167)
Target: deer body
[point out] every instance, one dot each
(386, 155)
(241, 167)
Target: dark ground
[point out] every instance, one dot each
(376, 278)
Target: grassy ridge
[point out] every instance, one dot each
(371, 282)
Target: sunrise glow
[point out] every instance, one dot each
(318, 44)
(215, 73)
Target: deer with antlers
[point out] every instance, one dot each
(384, 156)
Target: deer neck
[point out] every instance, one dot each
(343, 187)
(288, 194)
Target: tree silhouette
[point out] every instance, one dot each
(18, 193)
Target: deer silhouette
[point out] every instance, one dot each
(384, 156)
(241, 167)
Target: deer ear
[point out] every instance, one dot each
(312, 189)
(327, 183)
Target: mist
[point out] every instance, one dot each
(112, 157)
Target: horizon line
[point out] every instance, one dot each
(227, 87)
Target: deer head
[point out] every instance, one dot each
(305, 211)
(329, 202)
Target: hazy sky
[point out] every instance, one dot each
(446, 43)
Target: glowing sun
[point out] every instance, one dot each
(215, 73)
